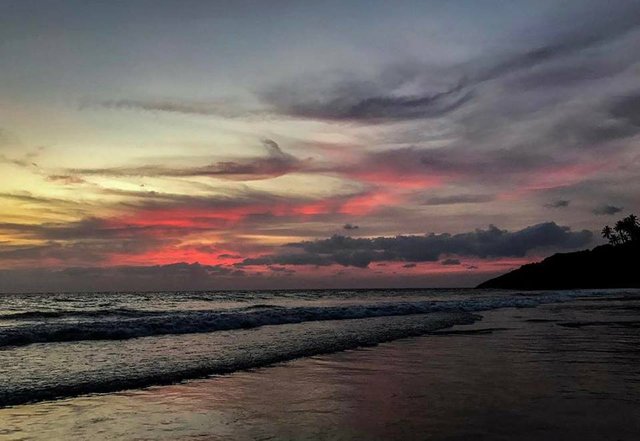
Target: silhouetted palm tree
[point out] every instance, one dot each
(621, 229)
(626, 230)
(632, 226)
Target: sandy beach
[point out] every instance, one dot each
(559, 371)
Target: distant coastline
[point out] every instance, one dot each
(615, 265)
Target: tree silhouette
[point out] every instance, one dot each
(626, 230)
(632, 227)
(607, 232)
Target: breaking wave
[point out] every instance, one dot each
(303, 340)
(120, 324)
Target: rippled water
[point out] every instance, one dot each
(60, 345)
(566, 370)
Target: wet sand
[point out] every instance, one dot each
(561, 371)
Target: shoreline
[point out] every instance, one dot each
(517, 374)
(419, 324)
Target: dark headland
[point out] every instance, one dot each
(615, 265)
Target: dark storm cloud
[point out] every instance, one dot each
(607, 210)
(489, 243)
(275, 163)
(561, 203)
(450, 262)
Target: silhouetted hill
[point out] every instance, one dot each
(606, 266)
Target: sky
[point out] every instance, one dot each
(150, 145)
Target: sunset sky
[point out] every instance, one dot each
(293, 144)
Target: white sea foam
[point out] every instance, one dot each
(122, 323)
(70, 348)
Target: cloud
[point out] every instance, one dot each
(222, 108)
(460, 199)
(175, 276)
(605, 209)
(382, 99)
(275, 163)
(489, 243)
(88, 240)
(339, 104)
(557, 109)
(627, 108)
(157, 227)
(161, 226)
(287, 259)
(66, 179)
(229, 256)
(424, 168)
(281, 269)
(49, 205)
(503, 137)
(560, 203)
(18, 162)
(450, 262)
(26, 196)
(88, 228)
(598, 32)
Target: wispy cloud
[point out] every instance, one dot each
(460, 199)
(606, 209)
(560, 203)
(221, 108)
(275, 163)
(335, 106)
(381, 100)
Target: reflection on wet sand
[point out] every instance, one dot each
(522, 377)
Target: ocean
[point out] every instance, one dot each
(194, 358)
